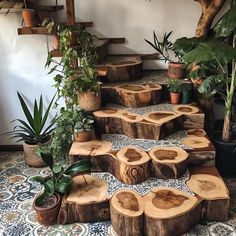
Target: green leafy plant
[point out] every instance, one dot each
(214, 56)
(33, 130)
(164, 46)
(60, 179)
(85, 122)
(174, 86)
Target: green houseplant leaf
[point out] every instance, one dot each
(80, 166)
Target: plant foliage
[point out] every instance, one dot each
(174, 86)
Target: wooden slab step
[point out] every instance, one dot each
(120, 69)
(130, 95)
(155, 125)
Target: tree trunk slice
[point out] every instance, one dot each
(185, 109)
(132, 166)
(168, 162)
(126, 70)
(196, 142)
(87, 201)
(152, 126)
(166, 208)
(126, 208)
(196, 132)
(214, 193)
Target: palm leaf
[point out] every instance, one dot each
(26, 125)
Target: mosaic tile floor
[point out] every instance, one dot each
(17, 216)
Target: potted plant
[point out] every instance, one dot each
(33, 131)
(29, 16)
(176, 69)
(83, 127)
(175, 88)
(215, 58)
(186, 93)
(47, 204)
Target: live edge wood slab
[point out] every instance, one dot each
(162, 211)
(152, 125)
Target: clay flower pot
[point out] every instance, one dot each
(175, 98)
(56, 42)
(176, 70)
(89, 101)
(83, 136)
(47, 213)
(28, 18)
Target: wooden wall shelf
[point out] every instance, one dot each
(47, 8)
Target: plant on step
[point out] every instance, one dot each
(84, 123)
(33, 129)
(60, 179)
(174, 86)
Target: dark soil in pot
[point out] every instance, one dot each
(225, 154)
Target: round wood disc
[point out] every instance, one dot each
(196, 132)
(208, 186)
(185, 109)
(168, 155)
(131, 88)
(165, 203)
(90, 148)
(88, 189)
(106, 112)
(130, 117)
(131, 155)
(151, 86)
(127, 202)
(160, 117)
(195, 142)
(131, 61)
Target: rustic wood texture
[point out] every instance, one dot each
(170, 212)
(168, 162)
(87, 201)
(196, 142)
(132, 95)
(126, 208)
(155, 125)
(196, 132)
(208, 185)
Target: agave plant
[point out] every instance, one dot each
(33, 130)
(60, 179)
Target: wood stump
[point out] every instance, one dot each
(185, 109)
(196, 132)
(126, 70)
(132, 166)
(170, 212)
(87, 201)
(215, 194)
(155, 125)
(196, 142)
(168, 162)
(126, 208)
(130, 95)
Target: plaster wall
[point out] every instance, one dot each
(22, 58)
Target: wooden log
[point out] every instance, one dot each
(196, 132)
(202, 157)
(124, 70)
(196, 142)
(154, 125)
(185, 109)
(126, 208)
(132, 166)
(87, 201)
(130, 95)
(213, 191)
(168, 162)
(169, 211)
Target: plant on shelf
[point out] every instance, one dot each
(186, 93)
(177, 68)
(58, 182)
(175, 88)
(33, 131)
(214, 61)
(83, 127)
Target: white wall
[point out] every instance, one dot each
(22, 58)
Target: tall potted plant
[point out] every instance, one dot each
(47, 204)
(215, 60)
(33, 131)
(176, 69)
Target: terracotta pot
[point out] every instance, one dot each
(176, 70)
(175, 98)
(48, 213)
(28, 18)
(56, 42)
(89, 101)
(83, 136)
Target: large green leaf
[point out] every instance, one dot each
(47, 158)
(37, 121)
(64, 184)
(38, 179)
(80, 166)
(49, 187)
(227, 24)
